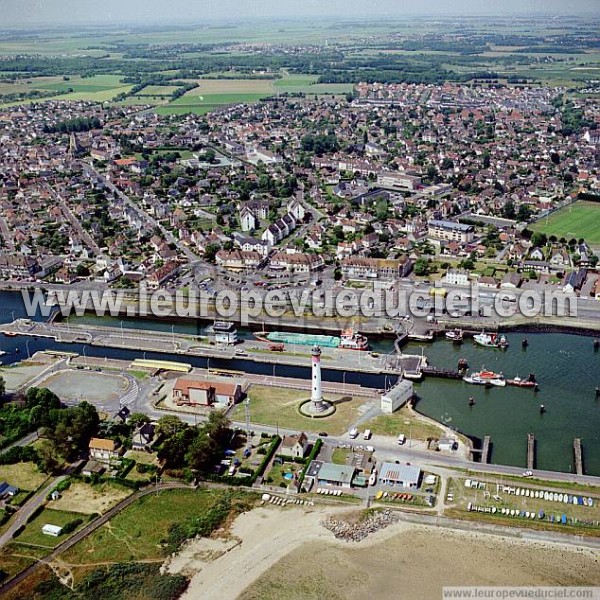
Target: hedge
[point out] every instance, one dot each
(313, 454)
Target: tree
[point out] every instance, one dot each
(421, 267)
(539, 239)
(170, 425)
(138, 418)
(50, 459)
(2, 386)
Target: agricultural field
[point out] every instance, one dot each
(279, 406)
(100, 88)
(579, 220)
(213, 93)
(307, 84)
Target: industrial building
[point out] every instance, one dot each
(406, 476)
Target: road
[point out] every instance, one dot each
(24, 441)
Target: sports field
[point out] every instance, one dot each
(579, 220)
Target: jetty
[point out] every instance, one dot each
(578, 456)
(530, 451)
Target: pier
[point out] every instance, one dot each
(578, 456)
(530, 451)
(438, 372)
(485, 452)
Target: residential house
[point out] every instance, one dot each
(143, 437)
(103, 450)
(294, 445)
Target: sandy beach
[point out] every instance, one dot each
(285, 554)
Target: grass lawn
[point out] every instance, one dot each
(403, 421)
(24, 475)
(33, 531)
(279, 406)
(580, 220)
(276, 477)
(338, 456)
(138, 531)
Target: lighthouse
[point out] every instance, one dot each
(317, 394)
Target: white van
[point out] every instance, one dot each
(353, 433)
(367, 435)
(401, 439)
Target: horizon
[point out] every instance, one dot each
(70, 14)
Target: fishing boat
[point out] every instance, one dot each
(455, 336)
(351, 340)
(490, 340)
(10, 334)
(530, 382)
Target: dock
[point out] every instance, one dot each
(578, 456)
(530, 451)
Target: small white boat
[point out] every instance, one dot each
(560, 497)
(527, 493)
(566, 499)
(494, 509)
(585, 501)
(545, 495)
(575, 500)
(590, 502)
(555, 497)
(532, 515)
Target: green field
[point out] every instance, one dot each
(580, 220)
(138, 532)
(33, 531)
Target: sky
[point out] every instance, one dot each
(23, 13)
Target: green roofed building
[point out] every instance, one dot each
(337, 475)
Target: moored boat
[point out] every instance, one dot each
(351, 340)
(486, 378)
(490, 340)
(455, 335)
(530, 382)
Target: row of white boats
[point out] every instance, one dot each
(285, 501)
(550, 496)
(328, 492)
(515, 512)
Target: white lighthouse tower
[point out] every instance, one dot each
(317, 393)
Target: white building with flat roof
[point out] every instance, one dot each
(407, 476)
(53, 530)
(397, 396)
